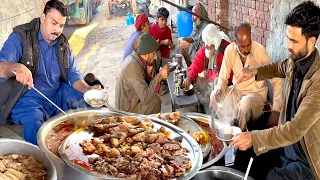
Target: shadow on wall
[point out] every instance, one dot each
(277, 41)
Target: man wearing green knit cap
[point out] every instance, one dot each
(138, 85)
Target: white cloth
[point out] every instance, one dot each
(211, 35)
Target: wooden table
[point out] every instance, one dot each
(182, 100)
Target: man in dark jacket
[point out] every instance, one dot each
(40, 56)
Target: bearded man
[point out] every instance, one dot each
(139, 84)
(192, 44)
(206, 63)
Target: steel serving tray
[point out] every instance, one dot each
(195, 153)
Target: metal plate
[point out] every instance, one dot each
(191, 127)
(195, 153)
(218, 124)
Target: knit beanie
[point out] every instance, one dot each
(147, 44)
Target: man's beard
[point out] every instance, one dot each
(300, 55)
(150, 63)
(197, 23)
(210, 54)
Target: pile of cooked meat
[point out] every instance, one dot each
(19, 167)
(172, 118)
(130, 148)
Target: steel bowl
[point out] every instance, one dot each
(13, 146)
(228, 133)
(95, 94)
(220, 173)
(188, 92)
(64, 171)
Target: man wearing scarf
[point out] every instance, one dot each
(206, 63)
(138, 85)
(192, 44)
(247, 99)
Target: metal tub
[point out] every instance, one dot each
(220, 173)
(13, 146)
(64, 171)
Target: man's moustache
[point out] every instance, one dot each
(54, 33)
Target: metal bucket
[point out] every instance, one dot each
(64, 171)
(220, 173)
(13, 146)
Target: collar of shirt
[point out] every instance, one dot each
(137, 57)
(40, 38)
(303, 65)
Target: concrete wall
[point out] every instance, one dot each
(277, 41)
(15, 12)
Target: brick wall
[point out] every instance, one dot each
(255, 12)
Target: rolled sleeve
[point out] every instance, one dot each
(73, 72)
(11, 50)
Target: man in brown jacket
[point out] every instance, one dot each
(299, 124)
(139, 84)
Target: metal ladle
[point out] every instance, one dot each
(44, 96)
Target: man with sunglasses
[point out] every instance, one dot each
(246, 100)
(38, 54)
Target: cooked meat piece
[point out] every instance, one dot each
(132, 132)
(162, 139)
(17, 174)
(180, 161)
(171, 146)
(2, 167)
(114, 152)
(87, 146)
(114, 142)
(102, 149)
(162, 130)
(92, 160)
(99, 127)
(156, 147)
(179, 152)
(151, 138)
(123, 127)
(147, 122)
(136, 149)
(96, 141)
(3, 176)
(140, 137)
(166, 153)
(129, 119)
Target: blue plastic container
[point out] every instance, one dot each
(129, 20)
(184, 24)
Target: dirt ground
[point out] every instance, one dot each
(99, 47)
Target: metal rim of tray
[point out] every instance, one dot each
(58, 119)
(207, 149)
(196, 151)
(225, 147)
(226, 169)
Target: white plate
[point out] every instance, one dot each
(97, 95)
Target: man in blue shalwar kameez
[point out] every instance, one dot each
(41, 57)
